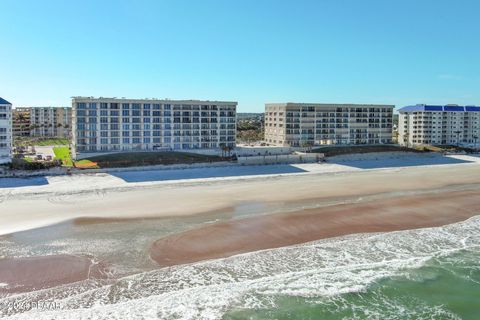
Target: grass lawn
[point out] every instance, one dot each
(341, 150)
(28, 141)
(53, 142)
(63, 153)
(130, 159)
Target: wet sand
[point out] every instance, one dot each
(35, 273)
(277, 230)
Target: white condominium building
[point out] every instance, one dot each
(110, 124)
(5, 131)
(299, 124)
(50, 121)
(439, 125)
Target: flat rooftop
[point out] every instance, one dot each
(304, 104)
(152, 100)
(439, 108)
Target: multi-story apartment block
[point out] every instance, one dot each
(299, 124)
(5, 131)
(50, 121)
(439, 125)
(110, 124)
(21, 122)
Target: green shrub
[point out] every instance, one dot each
(22, 164)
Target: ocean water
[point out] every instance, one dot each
(445, 287)
(429, 273)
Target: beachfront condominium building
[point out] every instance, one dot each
(110, 124)
(5, 131)
(50, 121)
(439, 125)
(21, 122)
(308, 124)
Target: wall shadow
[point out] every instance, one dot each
(399, 162)
(202, 173)
(22, 182)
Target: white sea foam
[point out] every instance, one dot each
(206, 290)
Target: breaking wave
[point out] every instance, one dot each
(326, 268)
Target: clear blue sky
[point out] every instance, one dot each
(251, 51)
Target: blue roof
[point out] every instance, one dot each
(472, 108)
(425, 107)
(3, 101)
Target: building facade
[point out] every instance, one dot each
(21, 122)
(5, 131)
(439, 125)
(50, 121)
(300, 124)
(112, 125)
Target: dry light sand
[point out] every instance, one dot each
(34, 209)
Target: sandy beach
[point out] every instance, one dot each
(277, 230)
(108, 196)
(36, 273)
(311, 202)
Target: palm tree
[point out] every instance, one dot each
(222, 147)
(307, 144)
(229, 150)
(405, 139)
(458, 139)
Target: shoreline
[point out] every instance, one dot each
(188, 198)
(26, 274)
(271, 231)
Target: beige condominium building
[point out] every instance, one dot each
(113, 125)
(300, 124)
(50, 121)
(451, 124)
(5, 131)
(21, 121)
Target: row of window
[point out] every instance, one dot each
(147, 126)
(328, 141)
(154, 120)
(345, 109)
(109, 141)
(155, 133)
(149, 106)
(156, 146)
(148, 113)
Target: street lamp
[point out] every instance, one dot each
(475, 142)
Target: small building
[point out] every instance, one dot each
(450, 124)
(5, 131)
(308, 124)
